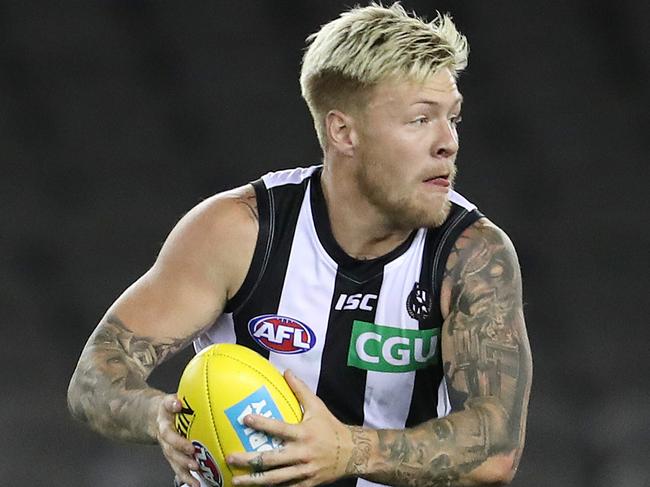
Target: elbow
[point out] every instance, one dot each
(75, 402)
(498, 470)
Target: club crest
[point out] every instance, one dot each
(419, 303)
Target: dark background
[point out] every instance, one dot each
(116, 117)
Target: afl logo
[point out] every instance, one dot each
(208, 468)
(281, 334)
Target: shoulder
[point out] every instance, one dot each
(483, 259)
(217, 237)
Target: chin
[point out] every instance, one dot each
(431, 215)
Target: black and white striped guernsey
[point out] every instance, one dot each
(364, 335)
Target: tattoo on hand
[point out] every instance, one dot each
(257, 464)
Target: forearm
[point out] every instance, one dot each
(111, 409)
(108, 390)
(471, 447)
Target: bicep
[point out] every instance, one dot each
(484, 345)
(202, 260)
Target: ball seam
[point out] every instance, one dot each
(212, 420)
(268, 380)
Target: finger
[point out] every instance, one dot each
(273, 477)
(307, 398)
(258, 462)
(187, 479)
(272, 426)
(172, 404)
(176, 441)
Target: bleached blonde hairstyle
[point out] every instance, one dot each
(366, 45)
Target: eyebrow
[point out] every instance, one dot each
(458, 101)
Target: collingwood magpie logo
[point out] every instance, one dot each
(419, 303)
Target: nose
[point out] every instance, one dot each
(446, 141)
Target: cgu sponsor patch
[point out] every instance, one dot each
(281, 334)
(388, 349)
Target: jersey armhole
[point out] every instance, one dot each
(262, 248)
(448, 239)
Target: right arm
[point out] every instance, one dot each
(201, 265)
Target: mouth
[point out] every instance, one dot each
(441, 180)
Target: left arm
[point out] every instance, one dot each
(488, 371)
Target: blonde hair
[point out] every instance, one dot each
(366, 45)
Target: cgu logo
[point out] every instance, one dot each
(390, 349)
(282, 334)
(355, 301)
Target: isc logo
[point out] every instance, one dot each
(259, 402)
(281, 334)
(355, 301)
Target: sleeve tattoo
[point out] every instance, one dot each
(488, 371)
(109, 390)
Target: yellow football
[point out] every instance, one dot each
(219, 387)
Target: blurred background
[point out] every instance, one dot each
(116, 117)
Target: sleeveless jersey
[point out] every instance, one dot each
(364, 335)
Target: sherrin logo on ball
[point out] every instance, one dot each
(208, 468)
(281, 334)
(219, 387)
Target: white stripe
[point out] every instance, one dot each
(460, 200)
(306, 296)
(444, 404)
(288, 176)
(223, 331)
(388, 395)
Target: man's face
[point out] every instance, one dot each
(407, 149)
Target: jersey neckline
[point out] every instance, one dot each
(361, 269)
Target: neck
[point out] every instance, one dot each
(359, 228)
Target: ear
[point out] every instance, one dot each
(341, 132)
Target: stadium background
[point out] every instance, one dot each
(116, 117)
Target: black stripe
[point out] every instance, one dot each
(261, 252)
(447, 242)
(282, 208)
(340, 386)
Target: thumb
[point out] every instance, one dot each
(305, 396)
(171, 403)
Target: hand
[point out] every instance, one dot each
(314, 451)
(178, 451)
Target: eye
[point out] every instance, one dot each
(455, 120)
(420, 120)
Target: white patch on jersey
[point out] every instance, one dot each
(460, 200)
(222, 331)
(307, 295)
(288, 176)
(388, 395)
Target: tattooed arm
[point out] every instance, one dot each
(488, 372)
(202, 263)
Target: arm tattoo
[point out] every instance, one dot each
(487, 369)
(249, 200)
(361, 440)
(109, 389)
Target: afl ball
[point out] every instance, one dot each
(219, 387)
